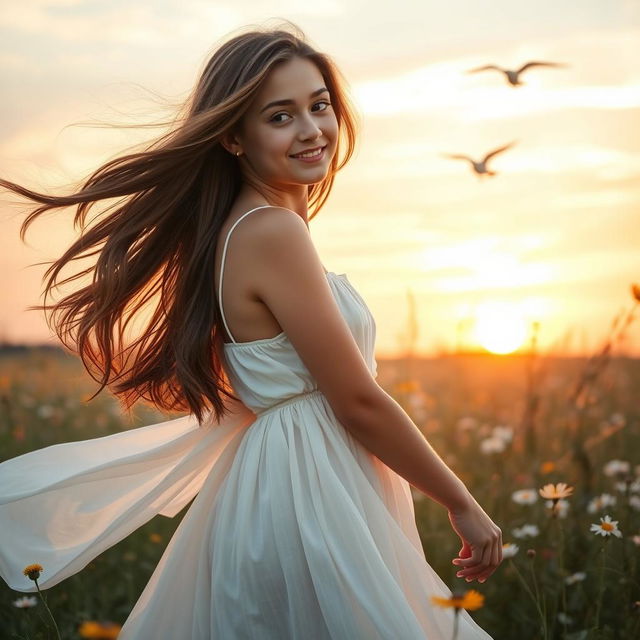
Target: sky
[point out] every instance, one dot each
(471, 261)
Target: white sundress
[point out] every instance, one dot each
(297, 531)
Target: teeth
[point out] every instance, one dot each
(310, 154)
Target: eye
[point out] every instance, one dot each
(283, 113)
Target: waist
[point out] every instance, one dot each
(301, 397)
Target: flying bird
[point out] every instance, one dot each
(480, 167)
(513, 75)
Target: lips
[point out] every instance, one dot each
(295, 155)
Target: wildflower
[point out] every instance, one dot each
(25, 602)
(492, 444)
(632, 485)
(564, 618)
(558, 509)
(32, 571)
(155, 537)
(469, 600)
(601, 502)
(606, 527)
(615, 467)
(547, 467)
(504, 432)
(575, 577)
(634, 501)
(524, 496)
(555, 493)
(636, 540)
(526, 530)
(531, 553)
(99, 630)
(509, 550)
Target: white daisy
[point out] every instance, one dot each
(575, 577)
(509, 550)
(606, 527)
(525, 496)
(601, 502)
(504, 432)
(526, 530)
(25, 602)
(634, 487)
(492, 445)
(615, 467)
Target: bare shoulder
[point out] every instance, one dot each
(271, 222)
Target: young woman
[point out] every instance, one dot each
(302, 525)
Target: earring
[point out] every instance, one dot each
(238, 153)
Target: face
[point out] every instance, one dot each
(272, 133)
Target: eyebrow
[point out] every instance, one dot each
(277, 103)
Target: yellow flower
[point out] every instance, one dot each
(33, 571)
(547, 467)
(99, 630)
(155, 537)
(557, 492)
(470, 600)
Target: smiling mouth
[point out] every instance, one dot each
(310, 154)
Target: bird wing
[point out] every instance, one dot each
(497, 151)
(489, 66)
(539, 64)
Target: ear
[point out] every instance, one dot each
(230, 143)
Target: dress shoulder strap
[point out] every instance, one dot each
(224, 253)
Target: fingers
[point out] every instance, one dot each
(481, 566)
(471, 564)
(472, 571)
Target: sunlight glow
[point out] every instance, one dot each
(499, 327)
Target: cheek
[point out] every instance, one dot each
(276, 142)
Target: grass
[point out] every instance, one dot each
(547, 420)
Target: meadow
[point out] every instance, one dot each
(507, 425)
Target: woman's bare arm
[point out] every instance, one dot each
(386, 430)
(290, 280)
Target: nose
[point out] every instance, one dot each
(309, 129)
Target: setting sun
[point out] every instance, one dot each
(499, 327)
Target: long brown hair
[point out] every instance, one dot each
(158, 243)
